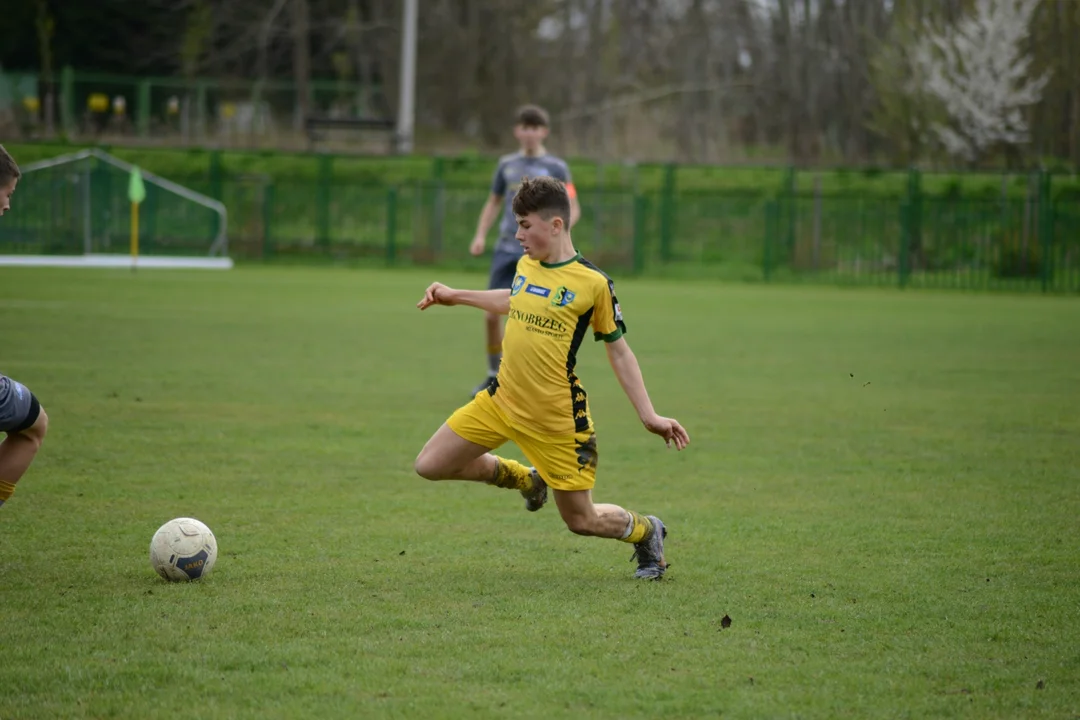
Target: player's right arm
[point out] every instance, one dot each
(608, 325)
(487, 219)
(493, 301)
(490, 210)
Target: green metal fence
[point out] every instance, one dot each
(82, 207)
(1025, 235)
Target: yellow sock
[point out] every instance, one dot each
(5, 491)
(511, 474)
(637, 529)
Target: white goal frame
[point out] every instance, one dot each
(217, 258)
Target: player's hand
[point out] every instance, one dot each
(669, 429)
(436, 294)
(477, 246)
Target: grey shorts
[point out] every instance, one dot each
(19, 409)
(503, 269)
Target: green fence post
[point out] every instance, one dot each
(437, 215)
(1046, 231)
(598, 210)
(790, 189)
(216, 172)
(914, 204)
(142, 109)
(67, 100)
(667, 212)
(269, 193)
(641, 209)
(391, 225)
(905, 244)
(322, 200)
(772, 214)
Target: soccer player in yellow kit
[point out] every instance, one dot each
(536, 400)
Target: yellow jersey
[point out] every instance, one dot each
(552, 308)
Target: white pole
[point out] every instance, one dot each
(407, 93)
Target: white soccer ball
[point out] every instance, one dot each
(183, 549)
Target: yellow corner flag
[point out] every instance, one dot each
(136, 194)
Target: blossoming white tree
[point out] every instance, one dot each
(979, 71)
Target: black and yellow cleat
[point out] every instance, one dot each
(649, 553)
(535, 496)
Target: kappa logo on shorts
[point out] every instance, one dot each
(563, 297)
(519, 281)
(586, 452)
(537, 290)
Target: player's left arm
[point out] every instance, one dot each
(608, 325)
(625, 364)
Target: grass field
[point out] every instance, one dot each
(882, 493)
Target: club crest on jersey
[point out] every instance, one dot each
(563, 296)
(519, 281)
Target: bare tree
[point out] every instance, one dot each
(266, 30)
(46, 26)
(706, 80)
(301, 59)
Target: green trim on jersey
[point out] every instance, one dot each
(577, 256)
(610, 337)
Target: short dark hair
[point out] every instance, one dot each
(9, 169)
(532, 116)
(546, 196)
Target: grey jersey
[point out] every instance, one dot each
(507, 180)
(14, 403)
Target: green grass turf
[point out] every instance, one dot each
(881, 492)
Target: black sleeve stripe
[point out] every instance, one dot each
(616, 310)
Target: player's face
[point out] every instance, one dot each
(537, 235)
(530, 137)
(6, 192)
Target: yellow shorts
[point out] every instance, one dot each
(565, 462)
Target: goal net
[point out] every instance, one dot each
(74, 210)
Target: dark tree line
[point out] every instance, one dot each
(709, 80)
